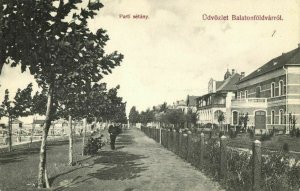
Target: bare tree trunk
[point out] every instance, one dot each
(70, 142)
(42, 164)
(9, 134)
(31, 136)
(84, 134)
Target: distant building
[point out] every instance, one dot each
(218, 100)
(191, 103)
(180, 104)
(16, 125)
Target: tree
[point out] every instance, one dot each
(60, 53)
(121, 114)
(163, 107)
(115, 107)
(243, 121)
(133, 116)
(19, 107)
(147, 116)
(39, 103)
(191, 117)
(175, 117)
(221, 119)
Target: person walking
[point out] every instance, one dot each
(113, 132)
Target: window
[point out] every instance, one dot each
(241, 94)
(273, 89)
(258, 89)
(246, 94)
(281, 88)
(272, 117)
(281, 117)
(235, 118)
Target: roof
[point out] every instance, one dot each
(179, 103)
(209, 94)
(218, 84)
(38, 121)
(289, 58)
(16, 121)
(229, 84)
(191, 100)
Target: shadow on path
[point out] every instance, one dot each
(119, 165)
(124, 139)
(112, 165)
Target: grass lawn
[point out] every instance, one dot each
(274, 144)
(19, 168)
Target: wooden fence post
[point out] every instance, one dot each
(184, 147)
(201, 160)
(179, 142)
(256, 168)
(169, 139)
(223, 157)
(189, 147)
(174, 141)
(159, 136)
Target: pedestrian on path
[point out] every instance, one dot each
(113, 131)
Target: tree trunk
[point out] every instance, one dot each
(42, 164)
(84, 134)
(31, 136)
(70, 142)
(9, 134)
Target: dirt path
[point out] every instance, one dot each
(139, 163)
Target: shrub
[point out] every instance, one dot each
(251, 133)
(298, 133)
(265, 137)
(279, 172)
(212, 157)
(232, 134)
(239, 170)
(221, 134)
(93, 145)
(285, 147)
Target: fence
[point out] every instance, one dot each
(234, 169)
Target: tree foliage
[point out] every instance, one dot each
(191, 117)
(52, 40)
(39, 103)
(147, 116)
(175, 117)
(133, 115)
(19, 107)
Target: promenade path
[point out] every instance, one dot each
(138, 163)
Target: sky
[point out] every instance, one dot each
(174, 52)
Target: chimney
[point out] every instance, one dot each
(242, 74)
(299, 45)
(233, 71)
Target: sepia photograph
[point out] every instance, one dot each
(150, 95)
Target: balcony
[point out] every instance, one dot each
(249, 102)
(214, 105)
